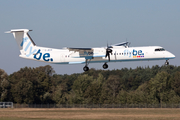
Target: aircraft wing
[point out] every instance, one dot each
(80, 49)
(90, 49)
(121, 44)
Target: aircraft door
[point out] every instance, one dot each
(62, 57)
(115, 55)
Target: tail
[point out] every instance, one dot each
(26, 44)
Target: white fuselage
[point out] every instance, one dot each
(113, 53)
(119, 54)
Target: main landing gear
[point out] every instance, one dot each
(86, 68)
(166, 63)
(105, 66)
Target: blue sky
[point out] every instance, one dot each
(89, 23)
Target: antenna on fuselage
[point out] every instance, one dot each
(126, 46)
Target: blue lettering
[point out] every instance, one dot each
(40, 54)
(134, 52)
(140, 52)
(27, 46)
(31, 52)
(24, 40)
(85, 53)
(88, 53)
(45, 56)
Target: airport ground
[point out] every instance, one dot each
(90, 114)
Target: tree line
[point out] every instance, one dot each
(155, 85)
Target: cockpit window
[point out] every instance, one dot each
(160, 49)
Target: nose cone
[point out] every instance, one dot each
(171, 56)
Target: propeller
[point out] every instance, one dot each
(108, 51)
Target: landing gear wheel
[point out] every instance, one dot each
(86, 68)
(166, 63)
(105, 66)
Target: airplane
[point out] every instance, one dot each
(120, 52)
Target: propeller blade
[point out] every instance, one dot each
(108, 51)
(106, 55)
(109, 57)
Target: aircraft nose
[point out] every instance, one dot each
(172, 55)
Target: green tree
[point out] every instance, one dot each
(175, 82)
(122, 97)
(30, 85)
(158, 86)
(79, 88)
(93, 91)
(5, 87)
(110, 89)
(60, 95)
(23, 91)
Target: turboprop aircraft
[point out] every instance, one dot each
(120, 52)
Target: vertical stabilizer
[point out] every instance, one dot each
(24, 41)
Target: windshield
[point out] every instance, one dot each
(160, 49)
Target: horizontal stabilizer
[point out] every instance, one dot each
(18, 30)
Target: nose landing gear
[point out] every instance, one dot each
(166, 63)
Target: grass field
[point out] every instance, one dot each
(90, 114)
